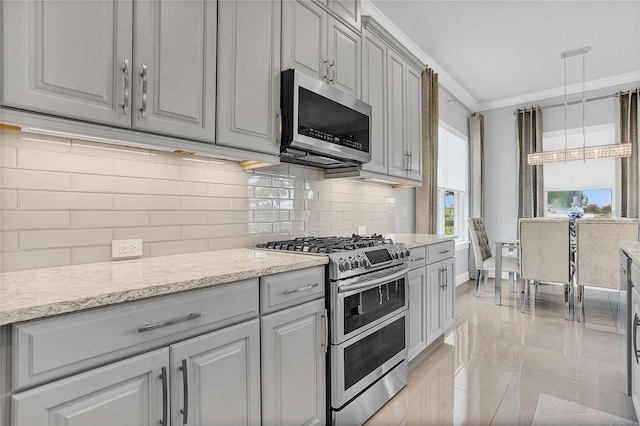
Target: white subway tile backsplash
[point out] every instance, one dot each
(111, 218)
(46, 200)
(64, 202)
(34, 259)
(101, 183)
(64, 162)
(166, 248)
(146, 202)
(178, 218)
(18, 219)
(148, 234)
(146, 169)
(33, 179)
(9, 198)
(40, 239)
(8, 156)
(9, 240)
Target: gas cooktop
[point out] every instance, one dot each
(326, 245)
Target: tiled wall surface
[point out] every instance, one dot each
(63, 201)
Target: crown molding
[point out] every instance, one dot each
(559, 91)
(446, 80)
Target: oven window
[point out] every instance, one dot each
(326, 120)
(368, 306)
(366, 355)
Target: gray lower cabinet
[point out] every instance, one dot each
(417, 311)
(149, 65)
(182, 381)
(440, 298)
(293, 365)
(249, 75)
(128, 392)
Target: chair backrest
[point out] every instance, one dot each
(479, 240)
(544, 250)
(598, 250)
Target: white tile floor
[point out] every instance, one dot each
(496, 360)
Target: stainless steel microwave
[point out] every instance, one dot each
(321, 125)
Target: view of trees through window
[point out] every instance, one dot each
(449, 212)
(594, 202)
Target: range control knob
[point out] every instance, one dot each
(344, 265)
(354, 262)
(362, 261)
(400, 253)
(394, 253)
(407, 253)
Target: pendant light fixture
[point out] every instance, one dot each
(584, 153)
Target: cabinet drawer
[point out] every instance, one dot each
(417, 257)
(279, 291)
(440, 251)
(50, 348)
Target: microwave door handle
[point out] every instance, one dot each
(375, 282)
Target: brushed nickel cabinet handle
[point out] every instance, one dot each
(125, 72)
(303, 288)
(417, 259)
(444, 251)
(326, 69)
(143, 108)
(279, 130)
(165, 397)
(332, 67)
(185, 387)
(326, 331)
(153, 326)
(636, 323)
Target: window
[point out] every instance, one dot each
(453, 182)
(574, 182)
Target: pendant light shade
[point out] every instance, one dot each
(584, 153)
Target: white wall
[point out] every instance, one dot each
(501, 193)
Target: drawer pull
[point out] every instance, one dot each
(168, 323)
(444, 251)
(165, 397)
(417, 259)
(185, 387)
(303, 288)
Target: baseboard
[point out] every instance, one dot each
(462, 278)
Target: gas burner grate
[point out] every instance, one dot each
(327, 244)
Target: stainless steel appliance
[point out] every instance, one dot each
(367, 281)
(321, 125)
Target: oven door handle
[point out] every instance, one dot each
(374, 282)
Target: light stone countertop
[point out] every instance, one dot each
(632, 248)
(418, 240)
(38, 293)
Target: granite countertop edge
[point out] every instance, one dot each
(42, 300)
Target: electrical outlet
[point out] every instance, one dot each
(121, 249)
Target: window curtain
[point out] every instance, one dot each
(530, 178)
(628, 125)
(476, 163)
(427, 195)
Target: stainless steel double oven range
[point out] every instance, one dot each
(366, 290)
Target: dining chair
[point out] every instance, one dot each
(544, 256)
(598, 252)
(485, 261)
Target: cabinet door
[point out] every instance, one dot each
(396, 127)
(414, 123)
(128, 392)
(175, 49)
(448, 304)
(293, 365)
(67, 58)
(417, 311)
(344, 57)
(216, 377)
(349, 10)
(249, 75)
(635, 367)
(374, 92)
(434, 316)
(304, 38)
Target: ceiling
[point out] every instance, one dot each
(497, 53)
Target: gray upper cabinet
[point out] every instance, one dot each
(413, 141)
(68, 58)
(374, 92)
(76, 59)
(396, 115)
(320, 45)
(249, 75)
(174, 68)
(348, 10)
